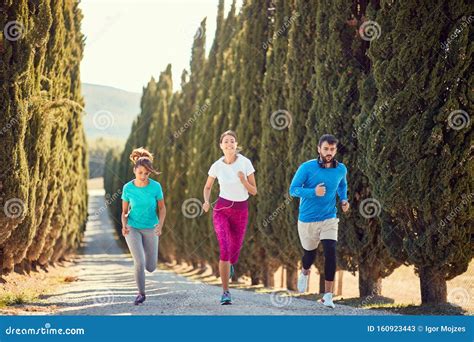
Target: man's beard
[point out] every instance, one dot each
(326, 160)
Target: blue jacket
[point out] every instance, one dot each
(318, 208)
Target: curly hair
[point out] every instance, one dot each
(142, 157)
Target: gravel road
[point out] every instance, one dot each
(105, 285)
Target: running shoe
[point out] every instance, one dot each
(231, 274)
(140, 299)
(226, 299)
(327, 300)
(303, 282)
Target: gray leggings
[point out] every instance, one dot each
(143, 244)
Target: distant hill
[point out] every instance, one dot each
(109, 111)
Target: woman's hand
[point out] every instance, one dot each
(158, 228)
(125, 230)
(206, 206)
(242, 177)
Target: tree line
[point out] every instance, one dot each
(43, 161)
(389, 79)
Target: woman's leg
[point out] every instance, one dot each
(221, 227)
(135, 245)
(150, 246)
(238, 225)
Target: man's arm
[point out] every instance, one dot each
(296, 186)
(342, 192)
(342, 188)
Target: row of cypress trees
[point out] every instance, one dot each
(43, 168)
(281, 74)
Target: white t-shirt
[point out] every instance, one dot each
(231, 188)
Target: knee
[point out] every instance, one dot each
(150, 268)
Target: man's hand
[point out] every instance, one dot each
(158, 228)
(320, 189)
(125, 230)
(345, 206)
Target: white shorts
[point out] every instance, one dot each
(311, 233)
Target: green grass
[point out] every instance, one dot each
(387, 304)
(10, 299)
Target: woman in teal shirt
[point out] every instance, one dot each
(143, 215)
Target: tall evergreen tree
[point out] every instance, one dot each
(254, 33)
(417, 158)
(279, 244)
(43, 168)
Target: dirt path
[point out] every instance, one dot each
(105, 285)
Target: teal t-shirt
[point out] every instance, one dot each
(142, 202)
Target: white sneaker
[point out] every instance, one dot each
(327, 300)
(303, 282)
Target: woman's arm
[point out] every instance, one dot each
(125, 208)
(161, 216)
(249, 182)
(207, 193)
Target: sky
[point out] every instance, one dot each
(129, 41)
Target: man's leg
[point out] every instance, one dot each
(329, 247)
(308, 260)
(308, 233)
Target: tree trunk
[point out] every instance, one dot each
(370, 282)
(215, 268)
(291, 277)
(268, 278)
(255, 278)
(433, 286)
(338, 290)
(1, 262)
(322, 285)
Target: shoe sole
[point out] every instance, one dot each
(328, 306)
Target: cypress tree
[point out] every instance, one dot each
(43, 167)
(254, 33)
(417, 159)
(272, 215)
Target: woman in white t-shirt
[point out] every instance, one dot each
(235, 174)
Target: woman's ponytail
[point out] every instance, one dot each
(142, 157)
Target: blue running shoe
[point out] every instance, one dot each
(140, 299)
(226, 299)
